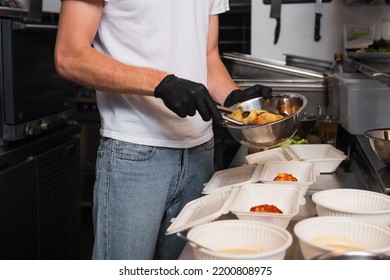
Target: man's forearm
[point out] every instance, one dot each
(219, 81)
(98, 71)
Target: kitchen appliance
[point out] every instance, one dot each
(13, 8)
(33, 97)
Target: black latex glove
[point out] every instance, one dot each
(238, 95)
(185, 97)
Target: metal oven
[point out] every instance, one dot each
(33, 97)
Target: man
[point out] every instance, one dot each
(155, 65)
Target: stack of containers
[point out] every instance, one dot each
(236, 190)
(231, 193)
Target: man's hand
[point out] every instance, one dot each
(238, 95)
(185, 97)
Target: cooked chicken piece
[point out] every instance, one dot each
(237, 115)
(260, 111)
(251, 117)
(255, 116)
(267, 118)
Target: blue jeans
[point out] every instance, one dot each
(138, 190)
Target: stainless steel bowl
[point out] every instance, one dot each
(380, 143)
(271, 134)
(351, 255)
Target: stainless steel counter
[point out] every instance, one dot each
(363, 171)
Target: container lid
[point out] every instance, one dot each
(204, 209)
(233, 177)
(276, 154)
(315, 152)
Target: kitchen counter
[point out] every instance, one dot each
(363, 170)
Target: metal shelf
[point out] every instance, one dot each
(13, 12)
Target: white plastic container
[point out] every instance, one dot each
(367, 205)
(286, 198)
(303, 171)
(271, 242)
(385, 28)
(365, 103)
(212, 206)
(232, 177)
(358, 36)
(321, 235)
(325, 157)
(276, 154)
(203, 210)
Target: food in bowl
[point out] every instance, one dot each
(255, 116)
(285, 177)
(270, 134)
(231, 239)
(338, 243)
(321, 235)
(287, 199)
(303, 171)
(266, 208)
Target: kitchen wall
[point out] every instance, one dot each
(49, 6)
(297, 28)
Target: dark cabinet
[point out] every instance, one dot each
(18, 211)
(58, 193)
(40, 202)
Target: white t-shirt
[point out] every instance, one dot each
(169, 35)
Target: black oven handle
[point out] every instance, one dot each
(30, 26)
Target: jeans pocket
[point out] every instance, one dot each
(132, 152)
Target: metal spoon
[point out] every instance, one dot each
(284, 107)
(192, 242)
(231, 120)
(229, 111)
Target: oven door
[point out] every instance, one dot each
(31, 87)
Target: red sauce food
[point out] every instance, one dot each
(285, 177)
(266, 208)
